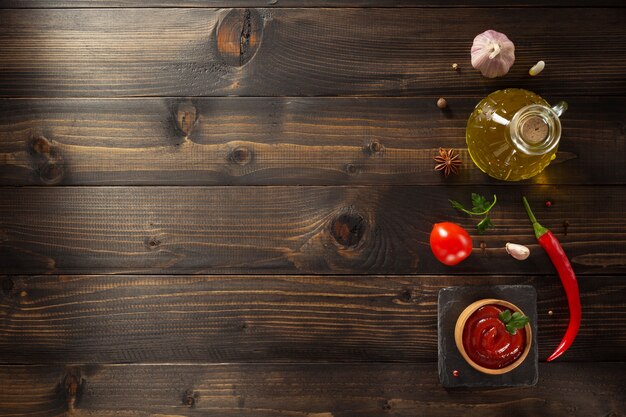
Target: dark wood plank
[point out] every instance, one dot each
(130, 319)
(300, 3)
(302, 390)
(295, 229)
(302, 52)
(283, 141)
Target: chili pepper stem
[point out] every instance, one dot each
(539, 229)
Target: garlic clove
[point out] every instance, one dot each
(519, 252)
(537, 68)
(493, 53)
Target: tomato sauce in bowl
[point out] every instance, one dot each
(488, 343)
(485, 343)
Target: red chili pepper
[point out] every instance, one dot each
(558, 257)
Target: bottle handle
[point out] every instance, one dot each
(560, 108)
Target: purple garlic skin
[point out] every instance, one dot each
(493, 54)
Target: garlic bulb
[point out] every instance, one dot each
(519, 252)
(492, 53)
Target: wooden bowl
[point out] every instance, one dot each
(460, 325)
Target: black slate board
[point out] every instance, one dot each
(452, 301)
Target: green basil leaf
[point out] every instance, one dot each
(481, 207)
(479, 202)
(520, 322)
(513, 322)
(511, 329)
(484, 224)
(458, 206)
(505, 316)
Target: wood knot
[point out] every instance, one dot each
(406, 296)
(46, 161)
(239, 35)
(241, 155)
(186, 116)
(483, 248)
(348, 229)
(152, 243)
(40, 145)
(189, 398)
(72, 387)
(351, 169)
(51, 173)
(386, 406)
(375, 147)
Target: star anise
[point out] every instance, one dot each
(447, 161)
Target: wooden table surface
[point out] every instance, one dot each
(222, 208)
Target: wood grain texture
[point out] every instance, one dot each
(288, 141)
(300, 3)
(134, 319)
(300, 390)
(295, 229)
(300, 52)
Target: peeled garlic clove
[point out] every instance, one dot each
(493, 53)
(537, 68)
(519, 252)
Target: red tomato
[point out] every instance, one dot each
(450, 243)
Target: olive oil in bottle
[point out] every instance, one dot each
(513, 134)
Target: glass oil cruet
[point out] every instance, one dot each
(514, 134)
